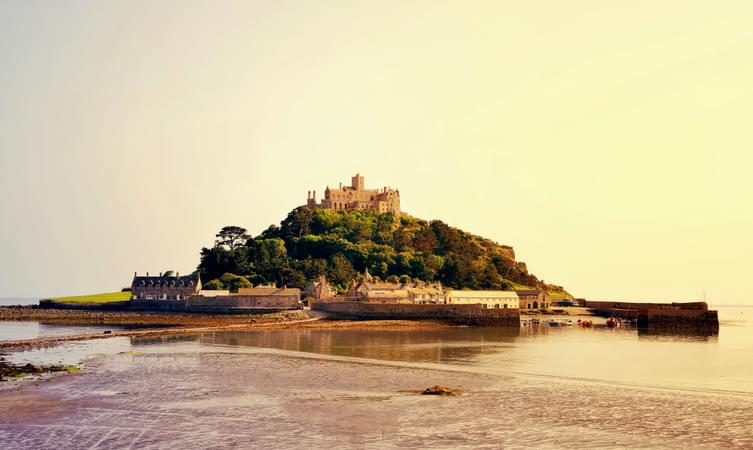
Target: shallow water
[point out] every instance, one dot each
(8, 301)
(532, 388)
(12, 330)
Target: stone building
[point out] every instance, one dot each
(487, 299)
(319, 289)
(164, 287)
(533, 299)
(378, 292)
(426, 293)
(374, 291)
(356, 197)
(267, 297)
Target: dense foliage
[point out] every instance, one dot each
(340, 245)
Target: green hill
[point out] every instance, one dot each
(311, 242)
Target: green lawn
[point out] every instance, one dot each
(559, 295)
(95, 298)
(518, 286)
(554, 295)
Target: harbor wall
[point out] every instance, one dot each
(109, 306)
(668, 319)
(473, 315)
(204, 305)
(215, 305)
(692, 316)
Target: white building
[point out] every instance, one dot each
(487, 299)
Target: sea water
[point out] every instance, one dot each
(536, 387)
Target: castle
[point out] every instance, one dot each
(356, 196)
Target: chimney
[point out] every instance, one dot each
(314, 197)
(147, 274)
(135, 274)
(160, 274)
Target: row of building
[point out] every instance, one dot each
(372, 290)
(368, 289)
(188, 288)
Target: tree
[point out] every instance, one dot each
(340, 270)
(233, 282)
(214, 285)
(216, 261)
(310, 242)
(168, 273)
(231, 237)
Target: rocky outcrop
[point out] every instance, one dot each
(440, 390)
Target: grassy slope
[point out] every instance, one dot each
(95, 298)
(559, 295)
(554, 295)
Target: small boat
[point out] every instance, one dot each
(611, 323)
(524, 322)
(534, 321)
(566, 322)
(554, 323)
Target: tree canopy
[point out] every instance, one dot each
(311, 242)
(231, 237)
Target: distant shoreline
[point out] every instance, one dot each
(161, 323)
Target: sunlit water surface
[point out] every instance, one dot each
(534, 387)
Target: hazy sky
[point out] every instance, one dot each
(608, 142)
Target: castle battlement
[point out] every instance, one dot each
(356, 196)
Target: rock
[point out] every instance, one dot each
(440, 390)
(30, 368)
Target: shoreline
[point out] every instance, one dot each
(160, 324)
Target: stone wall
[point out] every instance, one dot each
(244, 301)
(473, 315)
(687, 319)
(216, 305)
(701, 306)
(109, 306)
(668, 316)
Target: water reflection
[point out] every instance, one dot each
(455, 345)
(679, 335)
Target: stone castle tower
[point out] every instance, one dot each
(356, 196)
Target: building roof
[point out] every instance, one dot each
(527, 291)
(424, 290)
(382, 286)
(217, 293)
(388, 293)
(267, 290)
(165, 281)
(481, 294)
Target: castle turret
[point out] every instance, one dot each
(358, 183)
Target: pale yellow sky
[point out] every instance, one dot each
(608, 142)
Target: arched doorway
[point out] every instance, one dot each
(535, 305)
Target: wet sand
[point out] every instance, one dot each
(179, 324)
(181, 396)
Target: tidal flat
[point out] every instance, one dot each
(360, 388)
